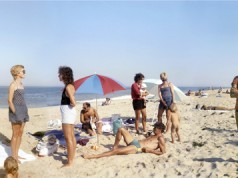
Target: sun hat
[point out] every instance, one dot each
(143, 85)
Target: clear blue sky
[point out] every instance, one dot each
(196, 43)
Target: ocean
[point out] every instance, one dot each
(51, 96)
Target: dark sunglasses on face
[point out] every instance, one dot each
(23, 71)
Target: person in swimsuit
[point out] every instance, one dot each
(153, 144)
(166, 95)
(90, 119)
(18, 111)
(138, 101)
(68, 111)
(234, 94)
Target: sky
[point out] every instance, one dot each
(194, 42)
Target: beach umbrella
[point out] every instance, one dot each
(97, 84)
(152, 87)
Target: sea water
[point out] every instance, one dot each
(51, 96)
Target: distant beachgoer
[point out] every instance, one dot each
(18, 111)
(188, 93)
(234, 94)
(175, 122)
(138, 101)
(90, 119)
(11, 167)
(204, 107)
(220, 90)
(68, 111)
(199, 93)
(107, 102)
(153, 144)
(166, 95)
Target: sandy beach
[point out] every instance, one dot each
(208, 148)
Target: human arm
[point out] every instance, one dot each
(160, 96)
(234, 90)
(82, 119)
(96, 116)
(135, 91)
(160, 149)
(70, 92)
(172, 91)
(10, 97)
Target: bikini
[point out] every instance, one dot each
(137, 145)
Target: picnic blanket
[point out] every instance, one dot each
(5, 151)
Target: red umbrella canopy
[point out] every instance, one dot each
(97, 84)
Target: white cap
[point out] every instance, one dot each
(143, 85)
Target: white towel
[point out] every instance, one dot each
(5, 151)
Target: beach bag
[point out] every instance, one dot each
(116, 125)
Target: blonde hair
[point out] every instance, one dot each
(15, 70)
(10, 165)
(173, 107)
(163, 76)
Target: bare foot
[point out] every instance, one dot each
(114, 147)
(67, 165)
(86, 156)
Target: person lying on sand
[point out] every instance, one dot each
(90, 119)
(153, 144)
(204, 107)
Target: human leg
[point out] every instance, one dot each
(99, 127)
(160, 114)
(17, 131)
(178, 134)
(172, 134)
(122, 133)
(168, 123)
(237, 119)
(143, 112)
(120, 151)
(68, 130)
(137, 113)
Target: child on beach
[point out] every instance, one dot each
(11, 167)
(175, 122)
(143, 92)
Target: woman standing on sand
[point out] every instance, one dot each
(166, 95)
(234, 94)
(138, 101)
(68, 111)
(18, 112)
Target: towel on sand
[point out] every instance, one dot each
(5, 151)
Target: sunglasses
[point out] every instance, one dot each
(23, 71)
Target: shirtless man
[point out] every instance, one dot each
(175, 122)
(90, 119)
(148, 145)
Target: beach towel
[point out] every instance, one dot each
(106, 125)
(60, 136)
(5, 151)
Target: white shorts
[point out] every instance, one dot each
(68, 113)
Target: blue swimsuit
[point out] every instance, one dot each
(167, 97)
